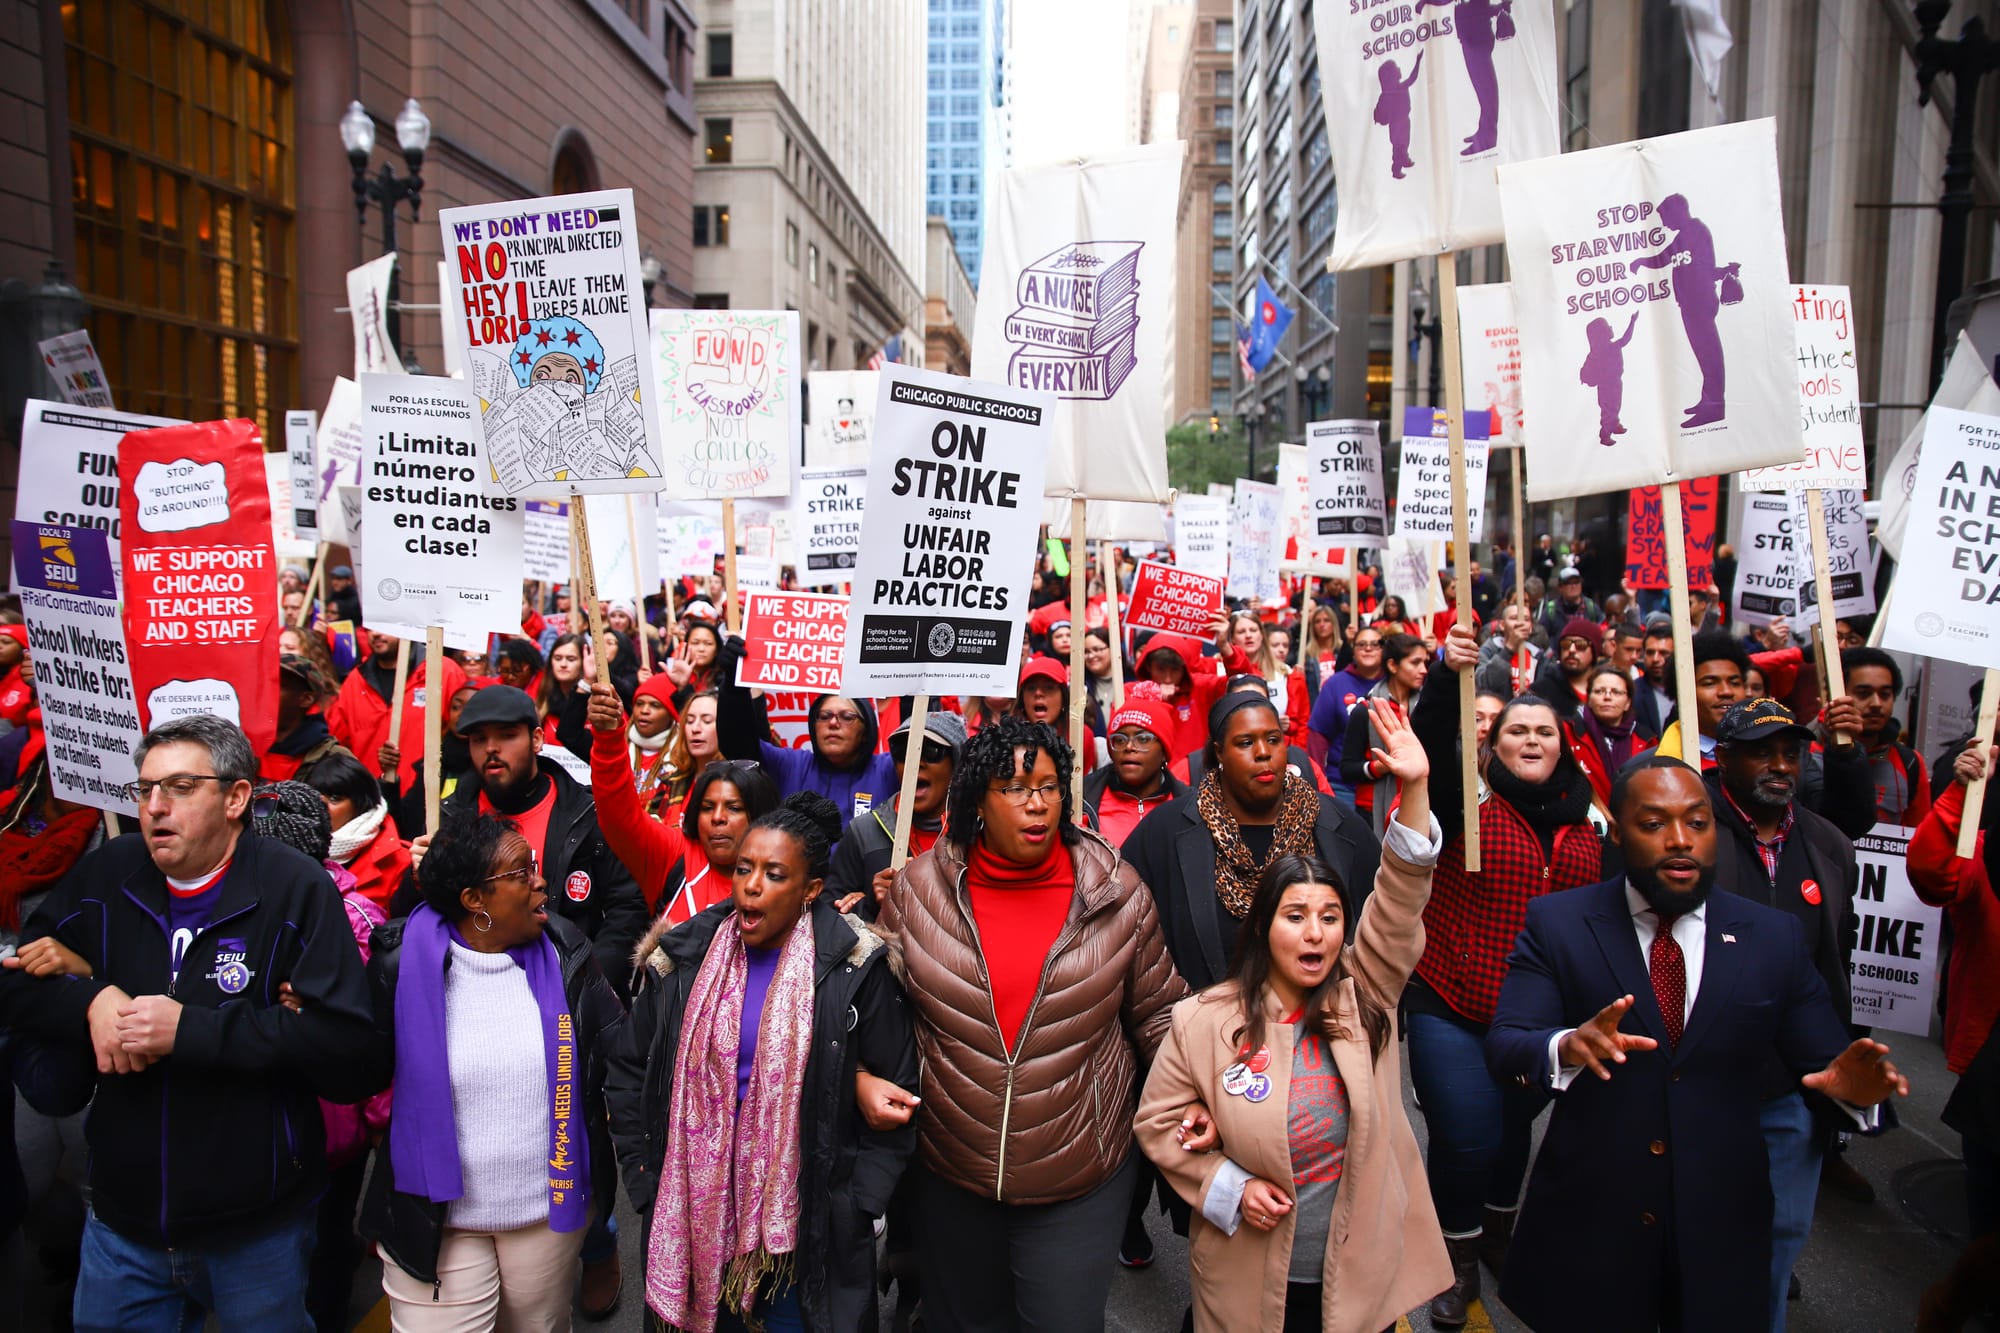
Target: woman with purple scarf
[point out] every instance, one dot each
(496, 1153)
(732, 1093)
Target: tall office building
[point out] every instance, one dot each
(965, 126)
(1205, 218)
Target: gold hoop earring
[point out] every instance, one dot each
(489, 921)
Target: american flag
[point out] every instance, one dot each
(1243, 352)
(892, 351)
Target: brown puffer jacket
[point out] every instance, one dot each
(1054, 1120)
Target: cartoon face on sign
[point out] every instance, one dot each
(561, 350)
(1076, 329)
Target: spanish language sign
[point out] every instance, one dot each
(1655, 306)
(1952, 609)
(728, 385)
(1423, 486)
(1489, 344)
(543, 306)
(1344, 482)
(827, 524)
(1894, 938)
(1646, 535)
(69, 465)
(948, 540)
(792, 641)
(1423, 100)
(1201, 534)
(1829, 404)
(79, 375)
(1174, 600)
(201, 580)
(442, 548)
(82, 679)
(1847, 556)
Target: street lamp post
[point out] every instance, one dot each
(1968, 59)
(1423, 325)
(413, 136)
(1252, 415)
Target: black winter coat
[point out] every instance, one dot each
(409, 1228)
(847, 1170)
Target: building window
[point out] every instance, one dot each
(964, 158)
(182, 178)
(1225, 83)
(719, 141)
(1225, 36)
(1221, 260)
(935, 81)
(1220, 331)
(711, 224)
(812, 263)
(792, 244)
(1222, 226)
(1223, 150)
(678, 50)
(1316, 150)
(637, 11)
(711, 300)
(965, 106)
(833, 282)
(965, 131)
(935, 107)
(1225, 117)
(1218, 365)
(1324, 290)
(965, 80)
(1222, 193)
(721, 55)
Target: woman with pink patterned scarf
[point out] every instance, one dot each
(732, 1096)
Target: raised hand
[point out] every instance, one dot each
(1599, 1040)
(1401, 754)
(1861, 1075)
(680, 667)
(1461, 648)
(607, 713)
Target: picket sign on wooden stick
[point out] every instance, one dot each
(575, 602)
(638, 589)
(396, 701)
(1107, 569)
(1829, 641)
(111, 826)
(1982, 739)
(731, 616)
(316, 586)
(1461, 536)
(586, 579)
(1079, 587)
(1677, 606)
(435, 705)
(913, 752)
(1520, 467)
(1881, 616)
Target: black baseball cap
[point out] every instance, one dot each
(498, 705)
(1759, 720)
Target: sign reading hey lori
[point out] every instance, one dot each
(1423, 486)
(1079, 276)
(1344, 482)
(1655, 309)
(1423, 99)
(1951, 607)
(543, 307)
(1829, 404)
(728, 386)
(948, 538)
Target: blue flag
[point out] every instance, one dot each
(1267, 326)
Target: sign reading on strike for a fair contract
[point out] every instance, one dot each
(1947, 603)
(948, 539)
(792, 641)
(1173, 600)
(1894, 938)
(1344, 483)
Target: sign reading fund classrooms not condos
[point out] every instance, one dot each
(948, 536)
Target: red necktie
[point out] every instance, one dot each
(1669, 971)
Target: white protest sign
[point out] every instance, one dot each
(1077, 279)
(1299, 549)
(729, 400)
(690, 542)
(545, 541)
(1767, 584)
(611, 545)
(69, 465)
(1344, 482)
(826, 521)
(1896, 938)
(368, 308)
(1409, 572)
(302, 462)
(1846, 555)
(1829, 406)
(1655, 307)
(544, 309)
(1489, 345)
(1201, 534)
(1423, 486)
(79, 375)
(442, 550)
(1253, 540)
(1947, 598)
(1966, 385)
(340, 444)
(1422, 102)
(842, 421)
(948, 540)
(454, 355)
(285, 539)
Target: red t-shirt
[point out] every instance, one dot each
(1019, 911)
(533, 822)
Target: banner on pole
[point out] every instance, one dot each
(368, 308)
(1344, 483)
(948, 540)
(1767, 575)
(1409, 572)
(1489, 345)
(1655, 307)
(728, 387)
(690, 542)
(1846, 554)
(1423, 486)
(1254, 540)
(1646, 535)
(69, 465)
(1172, 600)
(842, 420)
(1895, 938)
(1966, 386)
(1829, 406)
(79, 375)
(302, 463)
(545, 541)
(793, 641)
(1948, 591)
(339, 446)
(826, 524)
(1201, 534)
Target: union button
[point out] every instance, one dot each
(1657, 1148)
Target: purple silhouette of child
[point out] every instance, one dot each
(1604, 370)
(1392, 108)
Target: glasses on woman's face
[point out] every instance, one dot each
(1015, 793)
(526, 874)
(1367, 645)
(846, 717)
(1121, 741)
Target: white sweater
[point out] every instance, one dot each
(499, 1092)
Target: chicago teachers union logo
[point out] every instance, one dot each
(1930, 624)
(943, 638)
(390, 590)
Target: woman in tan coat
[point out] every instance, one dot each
(1312, 1213)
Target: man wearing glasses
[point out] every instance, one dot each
(1329, 715)
(207, 1150)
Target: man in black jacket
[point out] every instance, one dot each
(207, 1151)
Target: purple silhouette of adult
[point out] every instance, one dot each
(1691, 256)
(1604, 370)
(1476, 24)
(1392, 108)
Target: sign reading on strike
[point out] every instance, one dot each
(1344, 481)
(793, 641)
(1894, 938)
(1176, 601)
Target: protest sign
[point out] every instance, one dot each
(624, 551)
(1299, 549)
(79, 375)
(792, 641)
(1253, 540)
(83, 681)
(842, 419)
(1646, 535)
(1409, 572)
(1422, 102)
(1829, 406)
(1078, 276)
(1654, 301)
(1489, 344)
(69, 465)
(827, 524)
(1894, 938)
(690, 541)
(543, 309)
(545, 541)
(278, 494)
(1967, 386)
(201, 579)
(339, 446)
(1767, 582)
(442, 549)
(302, 462)
(1423, 486)
(368, 309)
(1344, 482)
(1172, 600)
(948, 540)
(1951, 605)
(728, 388)
(1847, 561)
(1201, 534)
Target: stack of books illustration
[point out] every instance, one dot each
(1077, 325)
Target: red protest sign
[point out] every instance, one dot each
(201, 581)
(1175, 600)
(1646, 539)
(792, 641)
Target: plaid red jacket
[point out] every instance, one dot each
(1471, 921)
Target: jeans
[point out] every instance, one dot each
(256, 1284)
(600, 1242)
(1480, 1132)
(1792, 1145)
(778, 1315)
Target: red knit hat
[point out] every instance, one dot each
(1148, 713)
(1589, 631)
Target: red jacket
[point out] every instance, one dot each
(379, 868)
(1972, 991)
(648, 847)
(1204, 686)
(359, 719)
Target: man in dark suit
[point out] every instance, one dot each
(1650, 1203)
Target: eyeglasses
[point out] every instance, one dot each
(1360, 644)
(526, 874)
(846, 717)
(177, 787)
(1016, 794)
(934, 752)
(1121, 741)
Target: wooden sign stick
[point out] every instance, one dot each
(1079, 587)
(315, 587)
(396, 700)
(920, 711)
(1829, 641)
(1677, 604)
(586, 578)
(435, 705)
(732, 617)
(638, 588)
(1107, 569)
(1975, 795)
(1520, 467)
(1461, 536)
